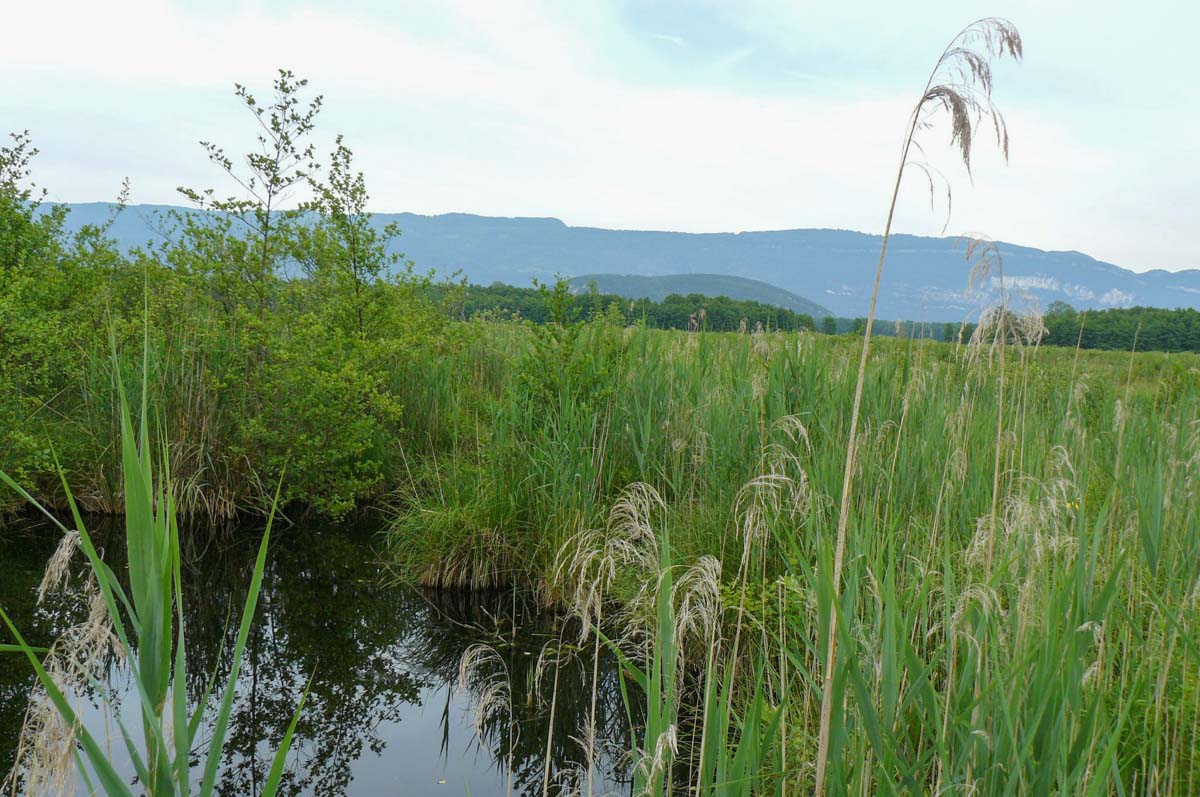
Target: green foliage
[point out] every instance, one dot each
(716, 313)
(331, 422)
(255, 366)
(345, 258)
(148, 624)
(570, 361)
(1153, 328)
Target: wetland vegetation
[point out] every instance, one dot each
(1009, 587)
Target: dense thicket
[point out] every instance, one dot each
(277, 342)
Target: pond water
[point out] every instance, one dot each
(383, 716)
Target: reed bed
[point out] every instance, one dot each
(1017, 611)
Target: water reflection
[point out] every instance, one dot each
(382, 716)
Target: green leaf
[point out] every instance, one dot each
(277, 764)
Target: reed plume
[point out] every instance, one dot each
(960, 85)
(587, 566)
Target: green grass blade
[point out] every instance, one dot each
(217, 742)
(280, 760)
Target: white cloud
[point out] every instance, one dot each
(511, 109)
(666, 37)
(1117, 298)
(1040, 282)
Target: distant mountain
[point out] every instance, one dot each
(925, 278)
(633, 286)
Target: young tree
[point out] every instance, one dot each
(28, 231)
(268, 176)
(345, 255)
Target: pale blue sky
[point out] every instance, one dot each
(675, 114)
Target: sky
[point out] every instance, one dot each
(697, 115)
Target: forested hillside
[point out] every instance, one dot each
(927, 277)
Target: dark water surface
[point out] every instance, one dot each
(383, 716)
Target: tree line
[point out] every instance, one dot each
(692, 311)
(1149, 328)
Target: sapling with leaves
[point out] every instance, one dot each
(15, 173)
(269, 176)
(27, 227)
(343, 253)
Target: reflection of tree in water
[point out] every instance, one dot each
(371, 649)
(326, 609)
(324, 612)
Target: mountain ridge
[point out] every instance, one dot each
(925, 278)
